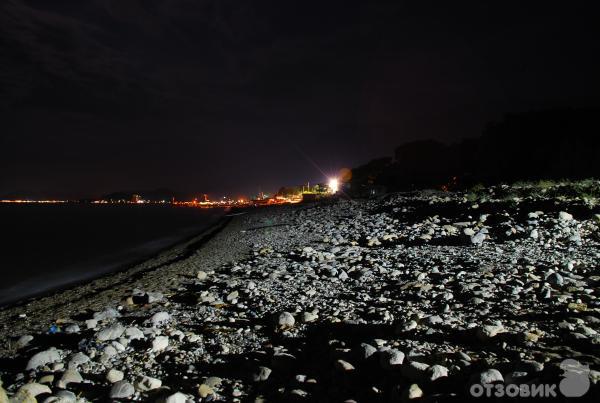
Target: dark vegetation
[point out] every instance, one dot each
(548, 144)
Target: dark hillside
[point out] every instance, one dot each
(549, 144)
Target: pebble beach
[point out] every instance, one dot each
(411, 296)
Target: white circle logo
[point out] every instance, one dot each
(576, 380)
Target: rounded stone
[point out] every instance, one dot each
(160, 343)
(490, 376)
(42, 358)
(437, 371)
(110, 333)
(286, 320)
(121, 390)
(204, 390)
(114, 375)
(262, 374)
(160, 318)
(146, 383)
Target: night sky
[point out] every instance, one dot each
(240, 96)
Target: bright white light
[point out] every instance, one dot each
(334, 185)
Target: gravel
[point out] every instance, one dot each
(414, 295)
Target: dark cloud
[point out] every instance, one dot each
(226, 96)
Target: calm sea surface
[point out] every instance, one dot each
(43, 247)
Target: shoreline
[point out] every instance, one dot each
(117, 268)
(57, 298)
(178, 262)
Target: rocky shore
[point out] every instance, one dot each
(413, 296)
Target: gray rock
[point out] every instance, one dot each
(77, 359)
(530, 366)
(478, 238)
(121, 390)
(343, 366)
(486, 332)
(160, 318)
(3, 395)
(154, 297)
(564, 216)
(63, 396)
(308, 317)
(160, 343)
(555, 279)
(433, 320)
(146, 383)
(213, 381)
(413, 392)
(111, 332)
(68, 397)
(299, 392)
(490, 376)
(35, 389)
(43, 357)
(23, 341)
(177, 397)
(74, 328)
(261, 374)
(436, 372)
(134, 333)
(114, 375)
(408, 326)
(110, 351)
(204, 391)
(391, 358)
(108, 313)
(366, 350)
(22, 396)
(69, 376)
(91, 323)
(286, 320)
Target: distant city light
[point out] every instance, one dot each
(288, 196)
(34, 201)
(334, 185)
